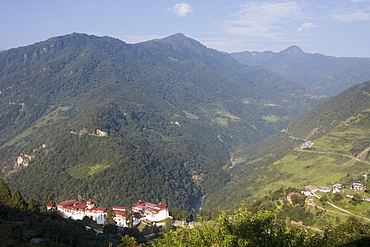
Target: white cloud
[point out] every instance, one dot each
(306, 26)
(359, 1)
(182, 9)
(357, 15)
(264, 19)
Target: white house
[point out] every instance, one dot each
(77, 211)
(337, 188)
(350, 195)
(151, 212)
(307, 144)
(311, 188)
(325, 189)
(357, 187)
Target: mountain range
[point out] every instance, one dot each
(91, 117)
(326, 74)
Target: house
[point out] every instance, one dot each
(350, 195)
(307, 144)
(325, 189)
(311, 188)
(357, 187)
(151, 212)
(307, 192)
(337, 188)
(365, 199)
(77, 211)
(50, 206)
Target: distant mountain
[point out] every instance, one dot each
(94, 117)
(325, 74)
(340, 131)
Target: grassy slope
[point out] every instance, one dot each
(330, 160)
(339, 127)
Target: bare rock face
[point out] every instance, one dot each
(99, 132)
(23, 160)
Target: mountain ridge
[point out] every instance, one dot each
(326, 74)
(173, 111)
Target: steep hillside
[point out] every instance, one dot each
(339, 129)
(325, 74)
(94, 117)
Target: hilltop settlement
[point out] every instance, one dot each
(141, 212)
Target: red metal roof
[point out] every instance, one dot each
(69, 203)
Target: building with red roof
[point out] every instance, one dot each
(77, 211)
(142, 210)
(151, 212)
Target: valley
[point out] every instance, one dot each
(179, 124)
(156, 120)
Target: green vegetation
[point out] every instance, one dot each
(325, 74)
(173, 112)
(339, 128)
(244, 228)
(260, 224)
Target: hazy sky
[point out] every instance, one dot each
(329, 27)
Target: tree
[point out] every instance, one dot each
(295, 199)
(128, 241)
(34, 203)
(245, 229)
(337, 197)
(17, 201)
(129, 216)
(109, 224)
(16, 233)
(5, 194)
(49, 196)
(179, 214)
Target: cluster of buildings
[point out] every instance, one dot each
(141, 211)
(310, 190)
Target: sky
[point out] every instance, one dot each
(338, 28)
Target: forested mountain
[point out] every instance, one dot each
(340, 131)
(325, 74)
(93, 117)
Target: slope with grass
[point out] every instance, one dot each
(339, 128)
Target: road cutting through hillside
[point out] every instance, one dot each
(344, 155)
(341, 209)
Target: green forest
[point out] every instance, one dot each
(259, 224)
(170, 112)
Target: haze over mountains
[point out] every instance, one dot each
(95, 118)
(325, 74)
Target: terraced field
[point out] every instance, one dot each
(340, 154)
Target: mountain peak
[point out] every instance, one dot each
(178, 35)
(180, 41)
(293, 49)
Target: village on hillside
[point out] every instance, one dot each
(310, 191)
(142, 211)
